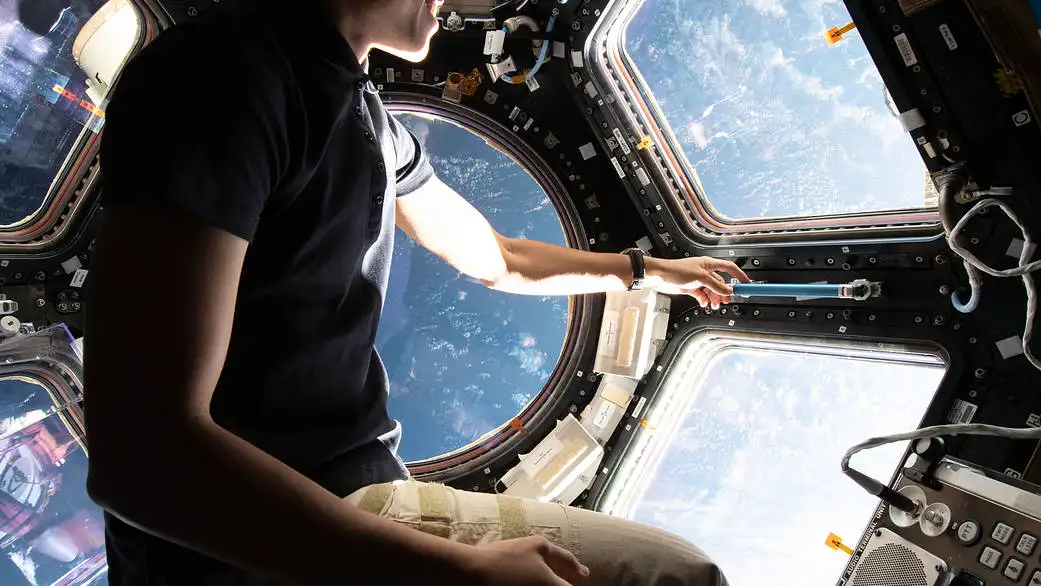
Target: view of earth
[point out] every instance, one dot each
(752, 474)
(463, 359)
(774, 121)
(43, 98)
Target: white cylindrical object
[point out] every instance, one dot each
(627, 336)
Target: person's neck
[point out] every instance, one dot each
(352, 24)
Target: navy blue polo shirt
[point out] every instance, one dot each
(262, 123)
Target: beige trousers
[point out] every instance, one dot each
(618, 552)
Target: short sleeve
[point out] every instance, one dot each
(414, 168)
(196, 124)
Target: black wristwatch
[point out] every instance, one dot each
(639, 268)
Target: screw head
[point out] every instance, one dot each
(791, 314)
(756, 312)
(973, 394)
(40, 275)
(980, 373)
(945, 290)
(872, 317)
(919, 259)
(972, 340)
(974, 240)
(41, 302)
(939, 320)
(918, 319)
(872, 260)
(829, 315)
(940, 259)
(829, 261)
(755, 262)
(63, 307)
(791, 262)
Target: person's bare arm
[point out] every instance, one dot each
(445, 223)
(157, 459)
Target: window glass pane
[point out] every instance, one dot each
(773, 121)
(751, 472)
(50, 530)
(57, 58)
(464, 359)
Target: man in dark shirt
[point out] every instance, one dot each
(252, 183)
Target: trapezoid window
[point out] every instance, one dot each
(464, 360)
(50, 530)
(771, 120)
(57, 60)
(749, 434)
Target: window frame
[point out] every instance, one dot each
(72, 192)
(583, 310)
(629, 480)
(690, 209)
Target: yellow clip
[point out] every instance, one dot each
(835, 542)
(645, 143)
(835, 35)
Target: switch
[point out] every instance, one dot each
(968, 532)
(1014, 569)
(1002, 533)
(1026, 544)
(990, 557)
(1035, 580)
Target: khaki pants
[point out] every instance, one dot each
(618, 552)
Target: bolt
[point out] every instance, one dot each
(829, 315)
(918, 319)
(40, 275)
(917, 69)
(956, 326)
(723, 311)
(924, 92)
(981, 373)
(847, 313)
(829, 261)
(41, 302)
(872, 260)
(686, 318)
(756, 312)
(956, 148)
(755, 262)
(477, 488)
(938, 320)
(576, 26)
(945, 290)
(63, 307)
(940, 259)
(919, 259)
(937, 109)
(846, 266)
(18, 276)
(791, 261)
(809, 315)
(974, 240)
(973, 394)
(573, 408)
(871, 317)
(972, 340)
(896, 28)
(791, 314)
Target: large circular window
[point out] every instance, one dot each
(463, 359)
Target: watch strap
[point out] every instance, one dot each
(639, 267)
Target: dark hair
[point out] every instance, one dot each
(39, 15)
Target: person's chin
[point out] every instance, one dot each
(412, 52)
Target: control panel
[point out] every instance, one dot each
(970, 527)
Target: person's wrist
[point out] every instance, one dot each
(657, 272)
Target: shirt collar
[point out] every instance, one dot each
(312, 26)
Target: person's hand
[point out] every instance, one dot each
(696, 276)
(528, 561)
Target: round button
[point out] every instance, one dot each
(968, 532)
(381, 166)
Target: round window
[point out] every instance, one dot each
(463, 359)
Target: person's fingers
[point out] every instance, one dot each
(564, 563)
(715, 299)
(726, 266)
(700, 296)
(716, 284)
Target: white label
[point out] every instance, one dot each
(961, 412)
(541, 455)
(604, 414)
(639, 407)
(591, 90)
(608, 333)
(618, 167)
(576, 59)
(905, 49)
(642, 176)
(79, 278)
(1034, 420)
(390, 75)
(948, 37)
(528, 124)
(621, 141)
(514, 113)
(929, 150)
(531, 83)
(493, 41)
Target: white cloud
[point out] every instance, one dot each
(768, 7)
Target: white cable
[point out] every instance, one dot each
(1022, 270)
(942, 430)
